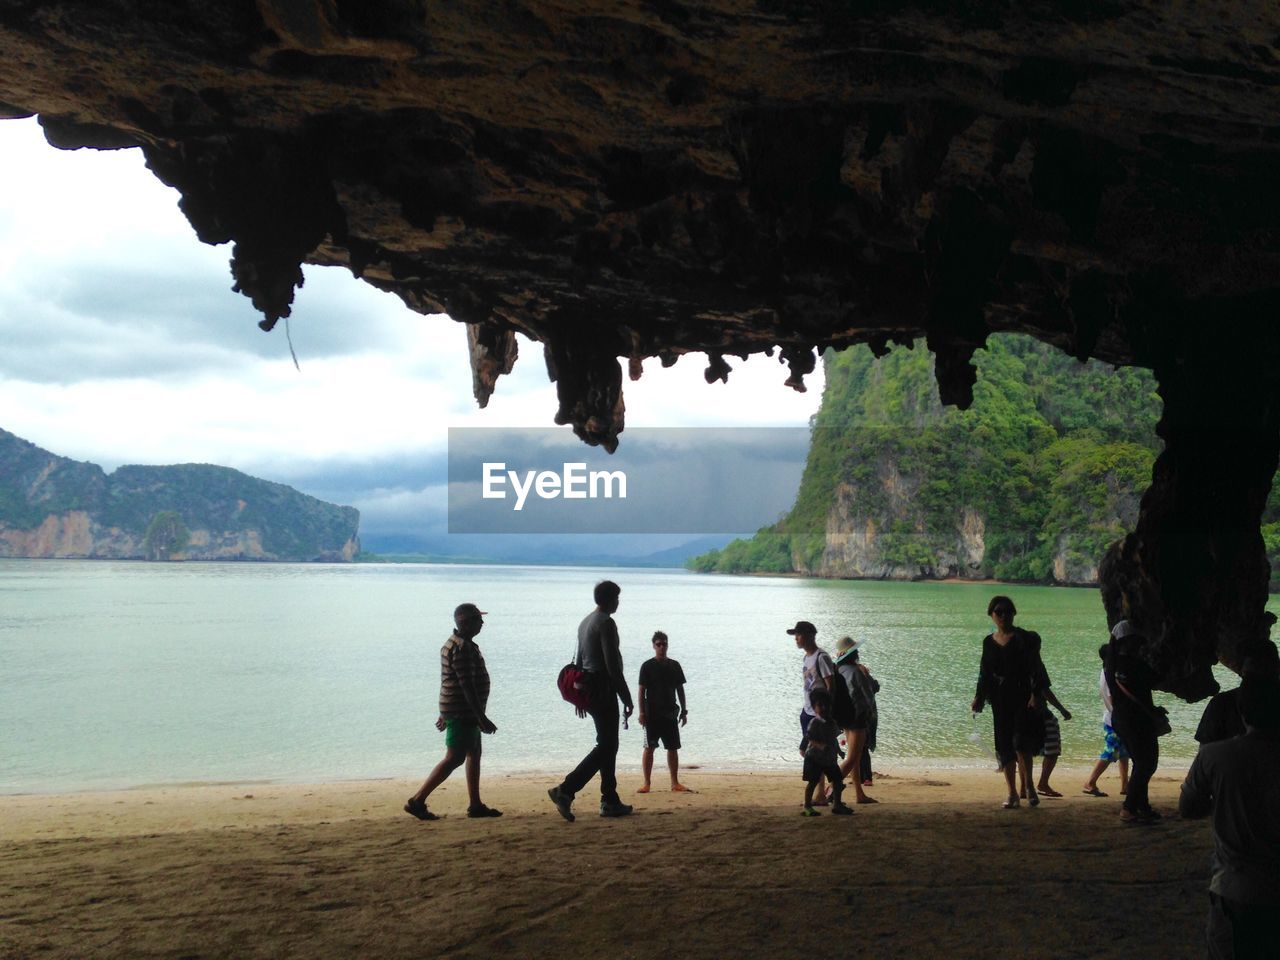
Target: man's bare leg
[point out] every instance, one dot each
(646, 764)
(673, 766)
(453, 759)
(473, 776)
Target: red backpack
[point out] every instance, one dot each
(575, 687)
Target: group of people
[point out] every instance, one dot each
(663, 708)
(839, 696)
(464, 699)
(1235, 777)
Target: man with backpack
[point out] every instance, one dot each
(600, 657)
(819, 674)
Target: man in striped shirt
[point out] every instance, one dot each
(464, 695)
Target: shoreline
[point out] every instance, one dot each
(889, 770)
(197, 806)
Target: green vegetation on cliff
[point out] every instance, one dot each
(53, 506)
(1032, 483)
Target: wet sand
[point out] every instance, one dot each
(936, 869)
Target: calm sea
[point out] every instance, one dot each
(123, 674)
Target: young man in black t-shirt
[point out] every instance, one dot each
(661, 684)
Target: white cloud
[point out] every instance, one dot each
(123, 343)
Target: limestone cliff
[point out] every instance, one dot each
(1033, 483)
(51, 506)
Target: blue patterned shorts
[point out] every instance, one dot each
(1112, 748)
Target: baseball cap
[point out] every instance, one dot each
(467, 610)
(804, 627)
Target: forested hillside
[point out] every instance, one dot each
(1032, 483)
(51, 506)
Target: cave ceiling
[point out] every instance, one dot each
(628, 180)
(641, 179)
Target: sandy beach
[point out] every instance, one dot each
(337, 870)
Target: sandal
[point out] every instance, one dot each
(644, 789)
(418, 808)
(1093, 792)
(480, 810)
(1011, 804)
(809, 812)
(1049, 792)
(1033, 798)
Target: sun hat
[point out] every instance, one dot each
(847, 645)
(847, 649)
(804, 627)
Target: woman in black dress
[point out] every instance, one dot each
(1009, 678)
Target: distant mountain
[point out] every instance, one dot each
(591, 550)
(51, 506)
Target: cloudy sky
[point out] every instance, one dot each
(123, 343)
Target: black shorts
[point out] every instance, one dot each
(816, 768)
(665, 729)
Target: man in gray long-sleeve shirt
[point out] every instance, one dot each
(1237, 781)
(599, 654)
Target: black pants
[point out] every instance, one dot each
(603, 758)
(1241, 931)
(1139, 737)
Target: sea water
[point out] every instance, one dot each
(116, 674)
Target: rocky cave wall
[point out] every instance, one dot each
(646, 178)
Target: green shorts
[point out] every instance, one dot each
(461, 734)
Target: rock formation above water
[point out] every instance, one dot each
(645, 179)
(54, 507)
(1031, 484)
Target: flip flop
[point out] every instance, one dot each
(1095, 792)
(1049, 792)
(681, 788)
(1011, 804)
(644, 789)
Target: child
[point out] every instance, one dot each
(820, 756)
(1112, 749)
